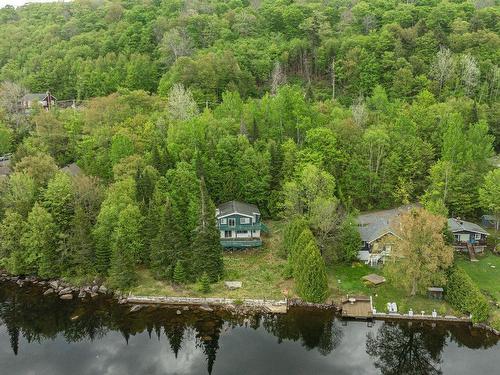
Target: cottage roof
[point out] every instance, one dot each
(373, 225)
(72, 169)
(37, 96)
(237, 207)
(457, 225)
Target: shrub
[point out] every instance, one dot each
(465, 296)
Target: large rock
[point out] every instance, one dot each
(103, 289)
(48, 291)
(233, 284)
(65, 291)
(66, 296)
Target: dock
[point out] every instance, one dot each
(357, 307)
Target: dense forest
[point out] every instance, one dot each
(310, 108)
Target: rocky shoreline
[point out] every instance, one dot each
(64, 290)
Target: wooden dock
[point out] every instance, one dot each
(358, 307)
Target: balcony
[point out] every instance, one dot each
(255, 226)
(240, 243)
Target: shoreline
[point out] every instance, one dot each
(65, 291)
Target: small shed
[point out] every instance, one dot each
(435, 292)
(374, 279)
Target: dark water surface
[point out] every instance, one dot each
(46, 336)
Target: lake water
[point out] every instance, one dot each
(47, 336)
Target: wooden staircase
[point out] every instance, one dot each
(472, 252)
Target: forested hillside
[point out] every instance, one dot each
(311, 108)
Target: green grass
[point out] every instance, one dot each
(351, 283)
(483, 274)
(259, 270)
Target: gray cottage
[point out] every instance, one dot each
(46, 100)
(468, 236)
(239, 224)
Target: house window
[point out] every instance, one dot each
(242, 232)
(245, 220)
(477, 236)
(457, 237)
(232, 222)
(223, 221)
(227, 234)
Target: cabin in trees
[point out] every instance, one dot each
(239, 225)
(379, 233)
(46, 100)
(467, 236)
(490, 221)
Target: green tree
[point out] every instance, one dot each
(420, 257)
(293, 230)
(167, 247)
(180, 276)
(126, 245)
(310, 279)
(40, 243)
(20, 194)
(121, 194)
(204, 283)
(349, 240)
(12, 255)
(58, 199)
(489, 195)
(207, 250)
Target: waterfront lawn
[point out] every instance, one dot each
(485, 273)
(259, 270)
(346, 279)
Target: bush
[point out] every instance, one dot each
(465, 296)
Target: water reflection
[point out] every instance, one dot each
(159, 340)
(399, 349)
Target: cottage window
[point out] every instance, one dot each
(232, 222)
(245, 220)
(477, 236)
(242, 231)
(223, 221)
(228, 234)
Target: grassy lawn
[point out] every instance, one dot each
(259, 270)
(485, 273)
(346, 279)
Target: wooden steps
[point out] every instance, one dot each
(472, 252)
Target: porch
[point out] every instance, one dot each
(240, 243)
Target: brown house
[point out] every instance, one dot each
(46, 100)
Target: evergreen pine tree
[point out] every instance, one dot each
(179, 273)
(167, 246)
(204, 283)
(126, 244)
(297, 250)
(207, 250)
(292, 232)
(311, 280)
